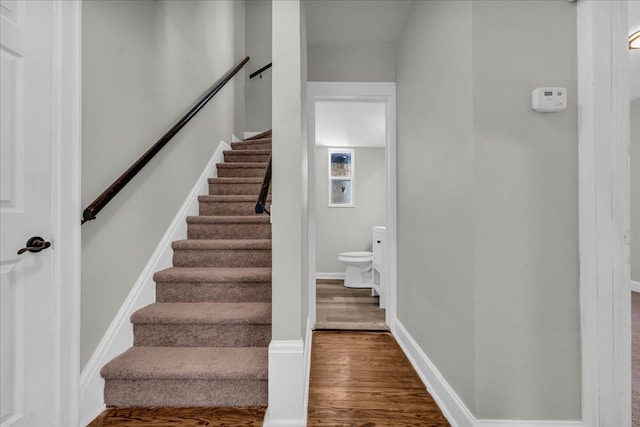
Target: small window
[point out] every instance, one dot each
(341, 178)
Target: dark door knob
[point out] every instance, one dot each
(35, 244)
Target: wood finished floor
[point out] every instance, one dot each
(364, 379)
(170, 417)
(338, 307)
(357, 379)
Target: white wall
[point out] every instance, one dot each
(144, 64)
(635, 190)
(349, 229)
(487, 204)
(258, 48)
(351, 63)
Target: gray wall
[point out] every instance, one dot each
(435, 189)
(526, 213)
(635, 190)
(354, 63)
(144, 64)
(258, 44)
(487, 204)
(288, 180)
(349, 229)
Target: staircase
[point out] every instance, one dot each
(203, 343)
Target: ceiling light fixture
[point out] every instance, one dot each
(634, 40)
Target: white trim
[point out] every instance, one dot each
(66, 180)
(286, 382)
(603, 104)
(308, 341)
(330, 276)
(635, 286)
(119, 335)
(449, 402)
(358, 91)
(527, 423)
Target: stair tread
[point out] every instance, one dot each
(235, 180)
(213, 274)
(228, 219)
(242, 165)
(228, 197)
(205, 313)
(205, 244)
(255, 141)
(203, 363)
(247, 152)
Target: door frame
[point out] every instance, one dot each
(66, 209)
(603, 126)
(386, 92)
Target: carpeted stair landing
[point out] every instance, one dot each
(204, 342)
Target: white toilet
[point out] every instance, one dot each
(358, 274)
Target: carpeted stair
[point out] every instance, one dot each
(203, 343)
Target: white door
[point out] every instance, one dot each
(26, 299)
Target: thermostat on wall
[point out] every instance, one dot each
(549, 99)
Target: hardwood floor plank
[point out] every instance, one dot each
(184, 417)
(364, 379)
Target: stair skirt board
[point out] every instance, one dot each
(119, 335)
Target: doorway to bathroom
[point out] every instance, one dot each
(351, 215)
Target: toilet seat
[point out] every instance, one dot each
(355, 256)
(360, 254)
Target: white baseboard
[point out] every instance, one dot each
(307, 361)
(527, 423)
(235, 138)
(449, 402)
(336, 276)
(286, 384)
(635, 286)
(119, 335)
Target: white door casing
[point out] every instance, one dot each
(39, 196)
(378, 91)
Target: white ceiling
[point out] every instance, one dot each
(350, 124)
(348, 22)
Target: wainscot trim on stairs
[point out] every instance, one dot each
(286, 384)
(119, 335)
(330, 276)
(449, 402)
(635, 286)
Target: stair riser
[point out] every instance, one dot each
(213, 292)
(218, 189)
(177, 393)
(229, 231)
(228, 208)
(241, 172)
(201, 335)
(222, 258)
(251, 146)
(248, 158)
